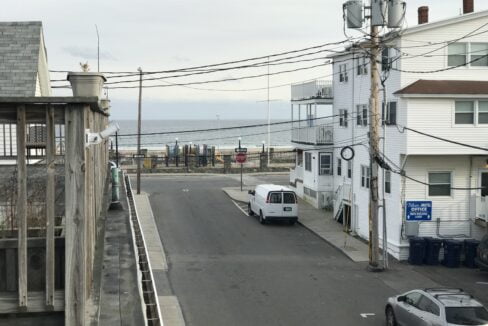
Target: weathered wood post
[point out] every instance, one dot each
(75, 184)
(22, 207)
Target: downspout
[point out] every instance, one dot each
(404, 184)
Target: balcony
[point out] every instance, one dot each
(314, 90)
(315, 135)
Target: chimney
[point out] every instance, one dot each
(424, 15)
(468, 6)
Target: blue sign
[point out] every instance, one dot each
(419, 211)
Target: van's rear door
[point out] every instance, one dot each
(275, 203)
(289, 203)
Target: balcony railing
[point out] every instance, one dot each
(316, 135)
(317, 89)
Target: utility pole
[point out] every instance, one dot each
(98, 49)
(139, 133)
(381, 13)
(269, 120)
(373, 151)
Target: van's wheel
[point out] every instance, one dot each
(261, 218)
(249, 210)
(390, 317)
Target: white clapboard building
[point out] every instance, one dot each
(438, 85)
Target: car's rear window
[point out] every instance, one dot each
(275, 198)
(467, 315)
(289, 198)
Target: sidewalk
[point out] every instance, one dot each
(319, 222)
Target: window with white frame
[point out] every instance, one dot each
(388, 182)
(339, 166)
(349, 169)
(343, 78)
(325, 163)
(299, 158)
(391, 114)
(362, 115)
(479, 54)
(457, 54)
(365, 176)
(483, 112)
(467, 54)
(362, 66)
(308, 161)
(343, 118)
(464, 112)
(439, 183)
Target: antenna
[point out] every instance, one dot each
(98, 48)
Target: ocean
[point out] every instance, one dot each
(251, 137)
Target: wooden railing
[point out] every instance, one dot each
(316, 89)
(72, 181)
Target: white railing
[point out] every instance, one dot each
(312, 90)
(481, 208)
(316, 135)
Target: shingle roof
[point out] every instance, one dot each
(446, 87)
(19, 57)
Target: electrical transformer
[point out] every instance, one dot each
(396, 13)
(379, 12)
(354, 13)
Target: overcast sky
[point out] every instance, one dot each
(168, 34)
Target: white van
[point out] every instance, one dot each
(273, 203)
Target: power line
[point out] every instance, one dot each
(224, 128)
(223, 63)
(444, 139)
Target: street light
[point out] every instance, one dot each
(263, 146)
(240, 142)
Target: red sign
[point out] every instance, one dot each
(241, 158)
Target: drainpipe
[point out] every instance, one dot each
(404, 182)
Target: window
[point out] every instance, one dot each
(299, 158)
(385, 59)
(362, 115)
(308, 161)
(439, 183)
(339, 166)
(343, 118)
(343, 78)
(325, 164)
(427, 305)
(457, 54)
(289, 198)
(365, 176)
(388, 182)
(412, 298)
(466, 315)
(275, 198)
(391, 114)
(479, 52)
(464, 112)
(349, 169)
(362, 66)
(482, 112)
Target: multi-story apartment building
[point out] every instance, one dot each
(437, 84)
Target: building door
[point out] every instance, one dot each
(484, 184)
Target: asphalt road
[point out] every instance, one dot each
(227, 269)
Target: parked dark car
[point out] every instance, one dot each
(482, 259)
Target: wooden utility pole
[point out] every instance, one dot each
(374, 127)
(139, 134)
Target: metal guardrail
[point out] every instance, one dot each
(147, 287)
(312, 90)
